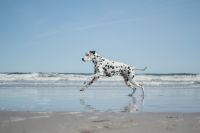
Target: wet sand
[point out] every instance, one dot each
(100, 99)
(98, 122)
(99, 110)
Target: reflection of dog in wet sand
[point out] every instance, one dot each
(106, 68)
(134, 105)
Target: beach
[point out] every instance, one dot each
(43, 102)
(98, 122)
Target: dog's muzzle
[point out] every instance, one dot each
(83, 59)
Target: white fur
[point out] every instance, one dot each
(106, 68)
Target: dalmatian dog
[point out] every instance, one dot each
(107, 68)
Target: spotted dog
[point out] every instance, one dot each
(106, 68)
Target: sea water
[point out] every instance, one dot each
(60, 92)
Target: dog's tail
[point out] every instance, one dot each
(140, 69)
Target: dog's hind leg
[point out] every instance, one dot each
(137, 85)
(88, 83)
(132, 87)
(129, 85)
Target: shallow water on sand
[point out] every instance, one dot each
(111, 99)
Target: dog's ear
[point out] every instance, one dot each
(93, 52)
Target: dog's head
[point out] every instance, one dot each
(89, 56)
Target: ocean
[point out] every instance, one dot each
(76, 79)
(49, 92)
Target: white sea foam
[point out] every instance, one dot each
(14, 119)
(72, 80)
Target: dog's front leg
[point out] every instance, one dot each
(88, 83)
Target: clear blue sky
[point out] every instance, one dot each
(52, 36)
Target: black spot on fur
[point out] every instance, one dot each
(104, 69)
(108, 74)
(93, 52)
(112, 67)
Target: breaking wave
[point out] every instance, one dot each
(76, 79)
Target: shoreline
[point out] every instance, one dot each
(113, 99)
(98, 122)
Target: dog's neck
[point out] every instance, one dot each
(97, 58)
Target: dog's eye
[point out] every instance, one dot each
(86, 54)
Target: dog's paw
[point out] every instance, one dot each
(130, 95)
(82, 89)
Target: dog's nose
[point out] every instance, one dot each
(83, 59)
